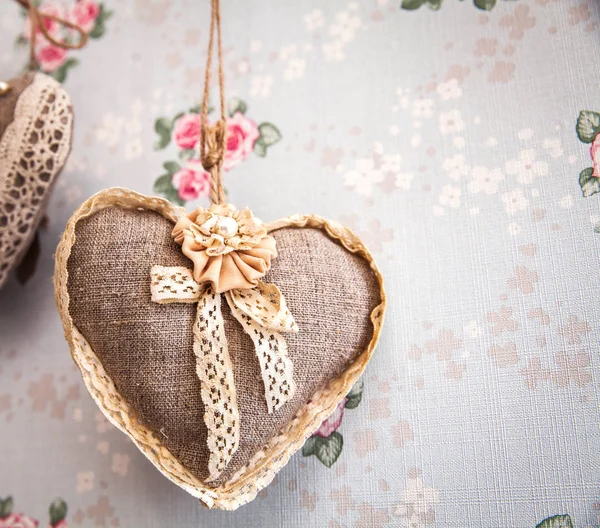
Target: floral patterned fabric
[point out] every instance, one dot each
(459, 139)
(89, 15)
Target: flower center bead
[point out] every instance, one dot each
(226, 226)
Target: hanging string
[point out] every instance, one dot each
(212, 137)
(36, 19)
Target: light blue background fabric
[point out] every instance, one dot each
(480, 405)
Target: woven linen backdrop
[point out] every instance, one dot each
(458, 140)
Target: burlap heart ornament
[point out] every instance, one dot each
(36, 122)
(217, 362)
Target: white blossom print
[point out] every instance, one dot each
(456, 166)
(451, 122)
(485, 180)
(514, 201)
(450, 196)
(363, 177)
(527, 167)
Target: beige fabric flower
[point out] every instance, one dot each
(229, 248)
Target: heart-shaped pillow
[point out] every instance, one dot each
(136, 356)
(36, 122)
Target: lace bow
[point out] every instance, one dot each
(206, 236)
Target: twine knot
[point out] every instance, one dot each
(212, 148)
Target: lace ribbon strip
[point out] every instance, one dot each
(263, 314)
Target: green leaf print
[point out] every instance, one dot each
(173, 197)
(236, 105)
(486, 5)
(310, 446)
(260, 149)
(411, 5)
(171, 167)
(328, 450)
(6, 506)
(589, 184)
(357, 389)
(58, 511)
(164, 185)
(60, 74)
(588, 125)
(163, 127)
(100, 25)
(187, 154)
(557, 521)
(355, 395)
(269, 134)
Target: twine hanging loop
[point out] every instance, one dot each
(36, 18)
(213, 137)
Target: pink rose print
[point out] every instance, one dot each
(192, 181)
(51, 57)
(242, 133)
(18, 520)
(595, 152)
(84, 13)
(333, 422)
(90, 16)
(186, 131)
(50, 25)
(185, 179)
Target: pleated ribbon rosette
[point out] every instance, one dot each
(230, 251)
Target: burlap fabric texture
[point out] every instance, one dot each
(8, 101)
(146, 381)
